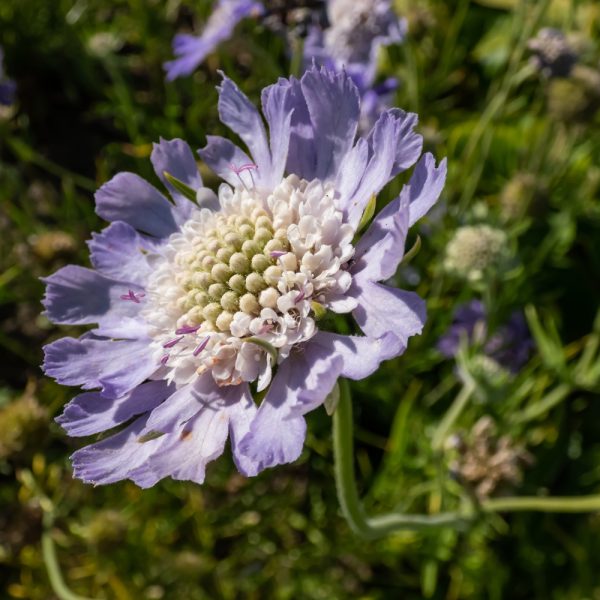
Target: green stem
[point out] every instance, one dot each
(352, 508)
(556, 504)
(455, 410)
(52, 566)
(382, 525)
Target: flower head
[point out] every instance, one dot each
(7, 86)
(195, 301)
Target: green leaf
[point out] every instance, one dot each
(264, 345)
(151, 435)
(319, 310)
(332, 399)
(368, 213)
(181, 187)
(413, 251)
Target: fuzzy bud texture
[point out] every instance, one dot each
(474, 250)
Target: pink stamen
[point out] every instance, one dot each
(277, 253)
(187, 329)
(131, 296)
(164, 359)
(267, 327)
(172, 342)
(242, 168)
(248, 167)
(300, 296)
(201, 347)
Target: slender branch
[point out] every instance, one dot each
(455, 410)
(52, 566)
(556, 504)
(352, 508)
(382, 525)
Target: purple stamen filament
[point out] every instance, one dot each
(187, 329)
(201, 346)
(131, 296)
(300, 296)
(277, 253)
(164, 359)
(248, 167)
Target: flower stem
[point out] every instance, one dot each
(557, 504)
(455, 410)
(382, 525)
(352, 508)
(56, 580)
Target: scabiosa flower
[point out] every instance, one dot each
(357, 30)
(509, 346)
(196, 302)
(553, 55)
(7, 86)
(191, 50)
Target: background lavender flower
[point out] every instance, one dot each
(194, 303)
(356, 32)
(553, 55)
(191, 50)
(7, 86)
(510, 344)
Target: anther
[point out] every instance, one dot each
(185, 329)
(132, 296)
(201, 346)
(173, 342)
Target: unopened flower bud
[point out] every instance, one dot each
(212, 311)
(224, 254)
(249, 304)
(268, 298)
(221, 272)
(237, 283)
(250, 248)
(216, 290)
(255, 283)
(272, 275)
(230, 301)
(239, 263)
(260, 262)
(224, 320)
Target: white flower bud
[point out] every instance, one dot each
(239, 263)
(221, 272)
(250, 248)
(249, 304)
(237, 283)
(268, 298)
(216, 290)
(260, 263)
(223, 321)
(289, 261)
(255, 283)
(212, 311)
(230, 301)
(272, 275)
